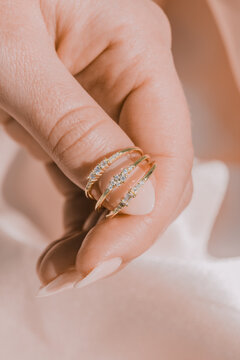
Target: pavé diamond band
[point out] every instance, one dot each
(103, 165)
(119, 179)
(132, 193)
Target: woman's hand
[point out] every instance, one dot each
(80, 80)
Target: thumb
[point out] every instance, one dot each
(39, 92)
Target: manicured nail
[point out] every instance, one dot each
(102, 270)
(143, 203)
(62, 282)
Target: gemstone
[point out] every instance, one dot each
(127, 196)
(113, 157)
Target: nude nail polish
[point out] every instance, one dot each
(62, 282)
(102, 270)
(143, 203)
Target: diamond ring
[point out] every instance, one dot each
(132, 193)
(99, 169)
(118, 179)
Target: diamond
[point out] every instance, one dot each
(128, 196)
(122, 177)
(114, 156)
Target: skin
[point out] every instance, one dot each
(83, 79)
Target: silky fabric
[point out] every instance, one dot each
(181, 299)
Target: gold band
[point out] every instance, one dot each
(99, 169)
(131, 193)
(119, 179)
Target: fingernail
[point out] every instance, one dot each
(62, 282)
(143, 203)
(102, 270)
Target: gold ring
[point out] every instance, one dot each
(119, 179)
(103, 165)
(132, 193)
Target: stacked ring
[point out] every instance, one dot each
(118, 179)
(99, 169)
(132, 193)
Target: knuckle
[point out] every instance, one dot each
(165, 28)
(78, 116)
(76, 139)
(141, 28)
(163, 24)
(74, 127)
